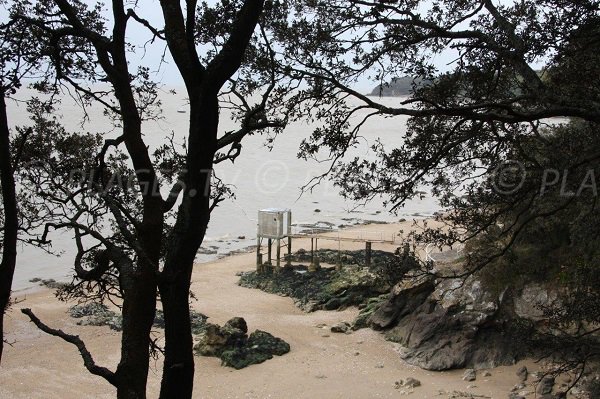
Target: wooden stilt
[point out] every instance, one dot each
(269, 245)
(278, 261)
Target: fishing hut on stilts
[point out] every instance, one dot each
(275, 226)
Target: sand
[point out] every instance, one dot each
(321, 364)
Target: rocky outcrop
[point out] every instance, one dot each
(452, 323)
(354, 285)
(235, 348)
(404, 299)
(98, 314)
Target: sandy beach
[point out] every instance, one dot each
(321, 364)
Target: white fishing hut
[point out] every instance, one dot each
(274, 224)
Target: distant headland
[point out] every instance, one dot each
(401, 86)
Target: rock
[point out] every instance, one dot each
(522, 373)
(486, 373)
(546, 385)
(411, 383)
(454, 324)
(212, 341)
(530, 302)
(53, 284)
(87, 309)
(235, 349)
(310, 306)
(536, 376)
(332, 304)
(241, 237)
(340, 327)
(207, 251)
(317, 210)
(405, 298)
(470, 375)
(379, 365)
(236, 326)
(517, 387)
(331, 289)
(364, 317)
(96, 314)
(261, 346)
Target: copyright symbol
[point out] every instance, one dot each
(508, 177)
(271, 177)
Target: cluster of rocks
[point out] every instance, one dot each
(440, 324)
(232, 344)
(354, 285)
(548, 383)
(96, 314)
(48, 283)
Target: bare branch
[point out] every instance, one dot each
(88, 360)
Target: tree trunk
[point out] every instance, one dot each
(9, 201)
(189, 230)
(139, 304)
(139, 285)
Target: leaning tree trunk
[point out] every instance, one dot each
(9, 202)
(187, 236)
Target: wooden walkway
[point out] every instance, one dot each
(324, 236)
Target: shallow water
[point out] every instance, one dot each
(262, 178)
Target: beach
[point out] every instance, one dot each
(321, 364)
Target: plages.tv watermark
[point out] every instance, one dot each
(510, 176)
(271, 177)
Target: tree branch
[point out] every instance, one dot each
(229, 59)
(88, 360)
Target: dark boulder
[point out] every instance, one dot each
(235, 348)
(405, 298)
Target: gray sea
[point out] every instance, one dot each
(262, 178)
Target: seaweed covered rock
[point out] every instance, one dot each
(367, 309)
(96, 314)
(259, 347)
(235, 348)
(331, 289)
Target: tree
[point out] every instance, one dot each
(142, 251)
(478, 134)
(469, 118)
(18, 59)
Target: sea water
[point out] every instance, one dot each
(261, 177)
